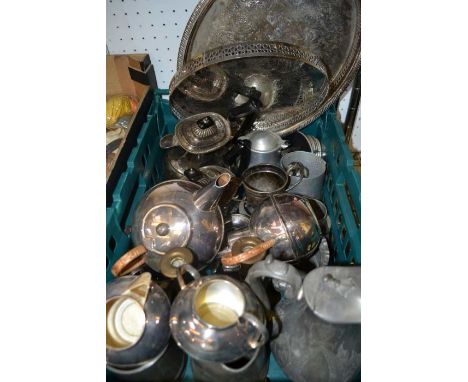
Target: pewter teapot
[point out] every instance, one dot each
(318, 320)
(265, 147)
(216, 318)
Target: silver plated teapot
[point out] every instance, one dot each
(180, 213)
(216, 318)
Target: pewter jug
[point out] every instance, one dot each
(216, 318)
(317, 321)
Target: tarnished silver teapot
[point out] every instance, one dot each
(287, 226)
(317, 321)
(216, 318)
(175, 214)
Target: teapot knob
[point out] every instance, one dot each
(162, 229)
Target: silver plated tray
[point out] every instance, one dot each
(330, 29)
(292, 83)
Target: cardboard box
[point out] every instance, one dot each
(133, 75)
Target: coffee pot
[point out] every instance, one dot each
(317, 322)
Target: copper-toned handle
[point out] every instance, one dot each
(118, 269)
(228, 259)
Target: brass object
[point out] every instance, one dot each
(173, 259)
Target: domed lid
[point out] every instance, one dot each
(265, 141)
(203, 133)
(165, 226)
(334, 294)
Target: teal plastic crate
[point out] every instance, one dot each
(341, 192)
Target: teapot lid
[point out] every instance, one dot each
(164, 227)
(203, 133)
(265, 141)
(334, 294)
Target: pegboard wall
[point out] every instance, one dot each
(149, 26)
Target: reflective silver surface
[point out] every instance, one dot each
(287, 218)
(298, 79)
(251, 368)
(199, 134)
(218, 319)
(156, 333)
(168, 366)
(330, 29)
(179, 213)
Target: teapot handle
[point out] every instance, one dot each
(228, 259)
(186, 268)
(274, 269)
(262, 337)
(120, 266)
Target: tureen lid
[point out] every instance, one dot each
(203, 133)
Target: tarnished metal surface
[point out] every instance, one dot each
(330, 29)
(293, 83)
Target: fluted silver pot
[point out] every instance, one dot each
(216, 318)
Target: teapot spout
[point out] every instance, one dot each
(208, 197)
